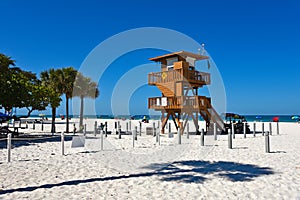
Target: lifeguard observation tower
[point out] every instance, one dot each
(179, 82)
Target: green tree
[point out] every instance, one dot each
(84, 87)
(20, 89)
(66, 79)
(50, 80)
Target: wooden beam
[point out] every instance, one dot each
(164, 122)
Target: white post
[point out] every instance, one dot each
(157, 132)
(254, 129)
(105, 129)
(215, 131)
(120, 132)
(187, 131)
(169, 129)
(267, 142)
(129, 124)
(153, 133)
(202, 137)
(84, 130)
(74, 129)
(95, 128)
(8, 147)
(62, 143)
(233, 133)
(179, 136)
(135, 136)
(140, 128)
(245, 130)
(270, 128)
(26, 125)
(230, 139)
(101, 133)
(158, 135)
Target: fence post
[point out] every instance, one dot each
(267, 142)
(101, 134)
(20, 123)
(169, 129)
(187, 131)
(135, 136)
(130, 125)
(95, 128)
(230, 139)
(42, 125)
(233, 133)
(158, 135)
(84, 130)
(126, 127)
(62, 143)
(202, 137)
(140, 128)
(254, 129)
(245, 130)
(179, 136)
(120, 132)
(33, 125)
(263, 129)
(105, 129)
(74, 129)
(26, 126)
(8, 147)
(277, 128)
(153, 133)
(270, 128)
(215, 131)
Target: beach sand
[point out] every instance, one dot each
(152, 171)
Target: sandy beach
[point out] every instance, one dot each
(150, 170)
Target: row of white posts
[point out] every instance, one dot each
(156, 133)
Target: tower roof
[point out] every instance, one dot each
(183, 54)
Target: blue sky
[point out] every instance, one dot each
(253, 43)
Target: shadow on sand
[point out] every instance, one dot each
(27, 140)
(190, 171)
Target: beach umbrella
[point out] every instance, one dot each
(276, 119)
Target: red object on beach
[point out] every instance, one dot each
(275, 119)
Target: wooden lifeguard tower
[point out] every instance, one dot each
(179, 82)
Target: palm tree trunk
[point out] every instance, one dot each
(67, 114)
(53, 120)
(81, 112)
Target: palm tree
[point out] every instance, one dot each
(50, 79)
(84, 87)
(66, 79)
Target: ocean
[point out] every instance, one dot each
(249, 118)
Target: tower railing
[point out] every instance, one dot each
(192, 76)
(196, 102)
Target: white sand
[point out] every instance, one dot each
(152, 171)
